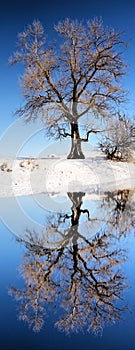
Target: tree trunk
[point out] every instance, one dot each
(76, 151)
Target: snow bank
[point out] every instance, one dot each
(58, 175)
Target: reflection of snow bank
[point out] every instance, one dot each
(93, 174)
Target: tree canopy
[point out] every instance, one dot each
(77, 75)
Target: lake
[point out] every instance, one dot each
(67, 266)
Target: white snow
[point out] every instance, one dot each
(55, 175)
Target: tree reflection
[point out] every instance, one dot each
(120, 206)
(81, 275)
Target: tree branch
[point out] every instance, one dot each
(88, 80)
(86, 139)
(63, 133)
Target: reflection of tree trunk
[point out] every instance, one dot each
(75, 254)
(76, 198)
(76, 151)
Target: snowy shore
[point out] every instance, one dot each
(58, 175)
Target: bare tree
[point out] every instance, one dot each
(76, 77)
(119, 142)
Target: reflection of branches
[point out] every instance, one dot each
(120, 209)
(82, 274)
(40, 287)
(94, 285)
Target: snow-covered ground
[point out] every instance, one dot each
(58, 175)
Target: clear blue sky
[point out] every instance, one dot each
(14, 16)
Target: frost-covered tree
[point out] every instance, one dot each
(118, 142)
(76, 77)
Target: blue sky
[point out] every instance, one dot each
(14, 16)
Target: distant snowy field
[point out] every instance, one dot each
(57, 175)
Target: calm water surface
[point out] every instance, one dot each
(67, 268)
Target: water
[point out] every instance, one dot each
(67, 267)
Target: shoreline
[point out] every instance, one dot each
(94, 174)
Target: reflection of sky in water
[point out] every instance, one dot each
(21, 212)
(16, 334)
